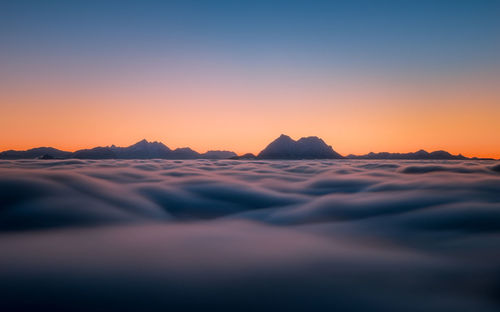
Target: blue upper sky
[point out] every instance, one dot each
(409, 35)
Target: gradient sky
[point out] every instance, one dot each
(363, 75)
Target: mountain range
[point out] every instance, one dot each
(421, 154)
(140, 150)
(283, 147)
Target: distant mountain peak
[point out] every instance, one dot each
(284, 136)
(311, 139)
(420, 154)
(245, 156)
(145, 142)
(34, 153)
(283, 139)
(284, 147)
(142, 150)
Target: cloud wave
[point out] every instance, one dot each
(150, 235)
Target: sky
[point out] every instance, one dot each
(393, 76)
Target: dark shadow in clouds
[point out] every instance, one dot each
(461, 217)
(223, 235)
(337, 185)
(496, 168)
(428, 169)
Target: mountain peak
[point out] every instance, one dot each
(142, 142)
(145, 144)
(310, 147)
(284, 137)
(142, 150)
(311, 139)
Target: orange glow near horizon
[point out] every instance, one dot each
(243, 115)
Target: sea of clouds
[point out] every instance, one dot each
(333, 235)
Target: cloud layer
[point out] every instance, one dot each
(151, 235)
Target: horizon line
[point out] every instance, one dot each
(243, 153)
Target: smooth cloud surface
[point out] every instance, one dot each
(150, 235)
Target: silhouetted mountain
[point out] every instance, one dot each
(496, 168)
(95, 153)
(285, 147)
(245, 156)
(421, 154)
(142, 150)
(34, 153)
(183, 153)
(282, 148)
(218, 155)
